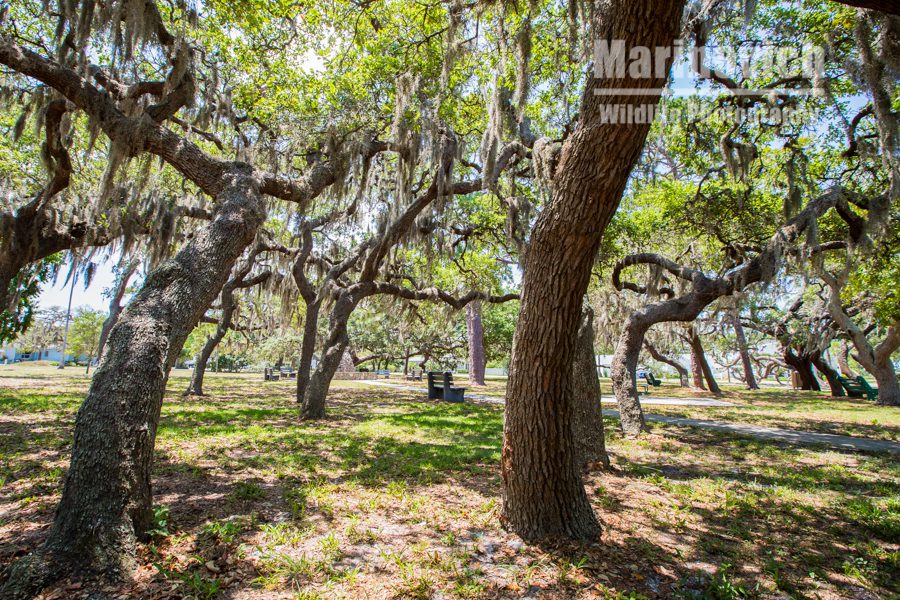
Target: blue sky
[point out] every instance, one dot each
(58, 294)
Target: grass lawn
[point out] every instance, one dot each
(396, 497)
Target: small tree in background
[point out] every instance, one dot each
(86, 328)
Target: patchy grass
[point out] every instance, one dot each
(394, 496)
(771, 406)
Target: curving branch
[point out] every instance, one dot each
(137, 134)
(703, 291)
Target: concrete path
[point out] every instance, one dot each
(841, 442)
(605, 399)
(674, 401)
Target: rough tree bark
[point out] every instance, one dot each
(749, 376)
(623, 374)
(307, 346)
(106, 500)
(115, 303)
(659, 356)
(475, 336)
(543, 494)
(335, 346)
(106, 497)
(888, 387)
(587, 416)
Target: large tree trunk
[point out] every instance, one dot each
(587, 421)
(802, 364)
(698, 357)
(888, 388)
(542, 489)
(831, 376)
(308, 346)
(106, 499)
(115, 304)
(624, 366)
(335, 347)
(749, 376)
(659, 356)
(475, 333)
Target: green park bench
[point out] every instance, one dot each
(652, 380)
(871, 393)
(858, 388)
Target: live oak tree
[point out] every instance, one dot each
(739, 235)
(253, 114)
(865, 309)
(367, 271)
(99, 519)
(587, 420)
(543, 494)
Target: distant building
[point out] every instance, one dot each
(11, 354)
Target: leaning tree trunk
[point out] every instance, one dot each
(543, 494)
(696, 359)
(335, 347)
(106, 500)
(475, 333)
(802, 364)
(831, 376)
(587, 421)
(320, 382)
(195, 388)
(115, 305)
(699, 357)
(308, 346)
(749, 376)
(843, 360)
(659, 356)
(624, 366)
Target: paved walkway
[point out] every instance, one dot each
(645, 399)
(674, 401)
(842, 442)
